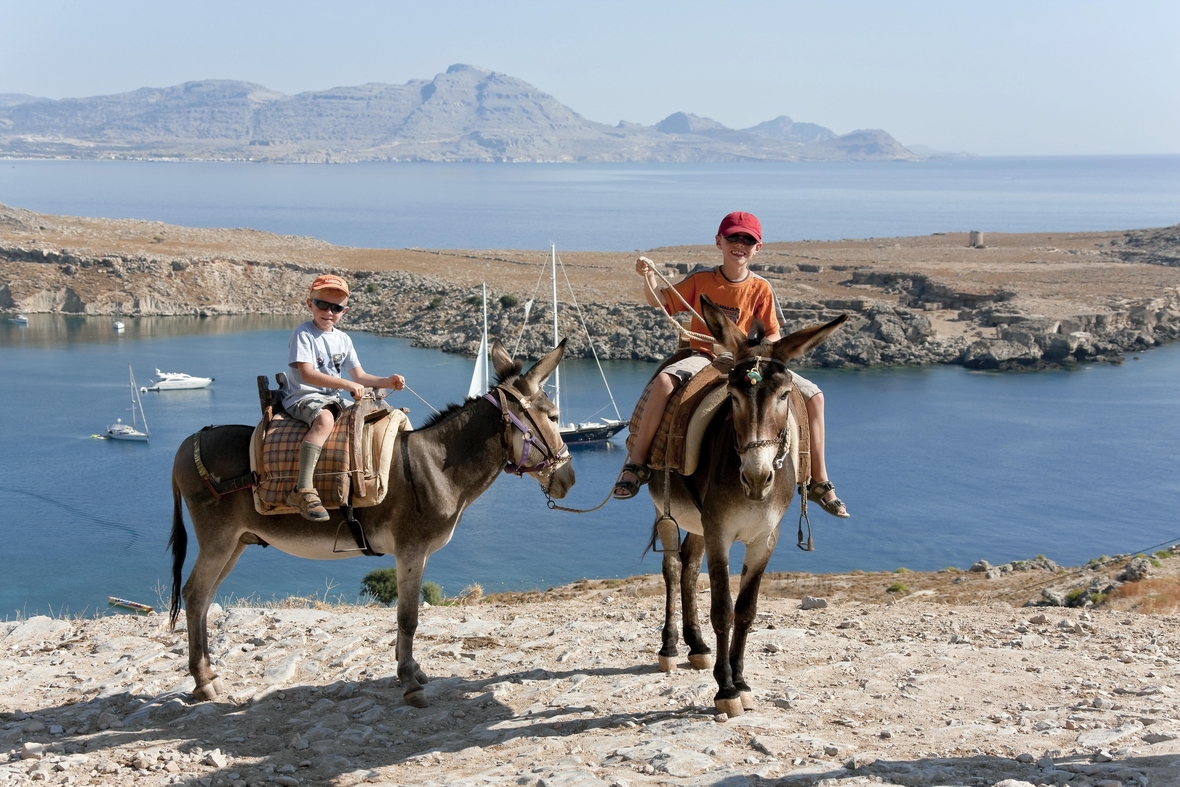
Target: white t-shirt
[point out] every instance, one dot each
(329, 352)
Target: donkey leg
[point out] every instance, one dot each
(727, 700)
(746, 610)
(700, 655)
(409, 584)
(672, 574)
(214, 562)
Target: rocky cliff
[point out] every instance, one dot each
(1017, 303)
(464, 114)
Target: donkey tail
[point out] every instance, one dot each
(179, 544)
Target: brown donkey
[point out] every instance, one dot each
(443, 467)
(741, 489)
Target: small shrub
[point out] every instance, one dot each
(902, 570)
(471, 594)
(949, 570)
(381, 584)
(508, 301)
(432, 593)
(1076, 597)
(1163, 554)
(473, 300)
(435, 302)
(898, 587)
(370, 288)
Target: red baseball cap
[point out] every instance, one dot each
(329, 282)
(739, 221)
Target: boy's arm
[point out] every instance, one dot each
(394, 381)
(312, 376)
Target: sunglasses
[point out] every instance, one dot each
(324, 306)
(745, 240)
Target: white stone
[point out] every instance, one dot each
(812, 602)
(37, 628)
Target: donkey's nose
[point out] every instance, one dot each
(757, 481)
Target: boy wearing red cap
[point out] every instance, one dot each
(318, 353)
(744, 297)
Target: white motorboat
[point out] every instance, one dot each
(118, 326)
(19, 319)
(121, 431)
(176, 381)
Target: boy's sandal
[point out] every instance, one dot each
(835, 506)
(626, 489)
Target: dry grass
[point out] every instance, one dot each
(1150, 596)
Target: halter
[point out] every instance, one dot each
(533, 438)
(753, 375)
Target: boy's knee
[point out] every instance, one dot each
(665, 384)
(325, 419)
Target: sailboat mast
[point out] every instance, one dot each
(484, 346)
(557, 371)
(131, 378)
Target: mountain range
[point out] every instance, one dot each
(464, 114)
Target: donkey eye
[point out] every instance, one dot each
(783, 397)
(555, 418)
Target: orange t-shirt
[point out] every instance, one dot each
(741, 301)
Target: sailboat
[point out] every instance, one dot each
(121, 431)
(571, 433)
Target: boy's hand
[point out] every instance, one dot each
(643, 265)
(356, 389)
(396, 382)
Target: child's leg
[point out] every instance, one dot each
(305, 496)
(660, 392)
(819, 470)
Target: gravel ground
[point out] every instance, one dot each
(953, 684)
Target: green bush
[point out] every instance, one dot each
(508, 301)
(902, 570)
(1163, 554)
(381, 584)
(473, 300)
(370, 287)
(432, 593)
(897, 587)
(435, 302)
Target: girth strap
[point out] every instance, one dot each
(803, 471)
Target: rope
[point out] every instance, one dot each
(555, 507)
(428, 404)
(589, 339)
(684, 332)
(527, 311)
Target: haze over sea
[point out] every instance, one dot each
(939, 466)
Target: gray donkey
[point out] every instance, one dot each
(439, 470)
(740, 491)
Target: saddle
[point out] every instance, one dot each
(353, 468)
(677, 442)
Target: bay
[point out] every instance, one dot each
(609, 207)
(939, 466)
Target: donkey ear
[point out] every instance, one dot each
(723, 329)
(804, 341)
(535, 377)
(502, 362)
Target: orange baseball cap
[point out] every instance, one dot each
(329, 282)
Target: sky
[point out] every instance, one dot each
(1000, 77)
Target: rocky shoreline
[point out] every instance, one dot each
(859, 679)
(898, 315)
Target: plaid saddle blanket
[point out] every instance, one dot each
(676, 445)
(354, 463)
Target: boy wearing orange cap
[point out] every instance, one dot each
(743, 296)
(318, 354)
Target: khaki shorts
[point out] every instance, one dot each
(683, 371)
(309, 407)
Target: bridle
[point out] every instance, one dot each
(551, 457)
(751, 370)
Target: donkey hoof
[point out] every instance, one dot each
(701, 660)
(667, 663)
(416, 698)
(206, 693)
(747, 699)
(730, 708)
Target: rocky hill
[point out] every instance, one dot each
(1020, 302)
(464, 114)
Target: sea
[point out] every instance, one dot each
(940, 466)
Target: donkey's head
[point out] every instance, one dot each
(537, 447)
(759, 387)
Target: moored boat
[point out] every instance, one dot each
(19, 319)
(121, 431)
(177, 381)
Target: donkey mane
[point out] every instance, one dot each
(454, 407)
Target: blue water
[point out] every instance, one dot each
(609, 207)
(939, 466)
